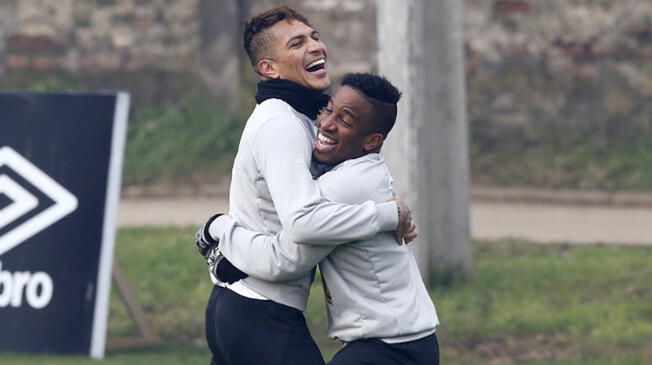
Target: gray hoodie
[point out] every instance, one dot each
(373, 286)
(272, 188)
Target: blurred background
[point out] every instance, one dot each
(558, 91)
(559, 116)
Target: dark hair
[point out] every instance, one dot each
(382, 95)
(257, 39)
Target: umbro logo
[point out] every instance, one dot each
(20, 202)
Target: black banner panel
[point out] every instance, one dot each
(60, 168)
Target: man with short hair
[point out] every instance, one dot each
(376, 301)
(251, 320)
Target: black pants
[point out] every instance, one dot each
(424, 351)
(244, 331)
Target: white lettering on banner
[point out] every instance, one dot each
(15, 286)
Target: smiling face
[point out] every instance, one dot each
(298, 55)
(345, 128)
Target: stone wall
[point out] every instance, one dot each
(99, 36)
(585, 63)
(109, 35)
(134, 38)
(580, 64)
(559, 92)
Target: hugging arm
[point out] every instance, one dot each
(271, 257)
(308, 218)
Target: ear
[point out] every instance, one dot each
(373, 142)
(268, 68)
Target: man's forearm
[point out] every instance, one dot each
(265, 256)
(284, 161)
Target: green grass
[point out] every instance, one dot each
(167, 354)
(187, 142)
(589, 164)
(528, 128)
(172, 282)
(177, 131)
(179, 135)
(528, 301)
(526, 304)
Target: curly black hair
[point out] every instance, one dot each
(382, 95)
(257, 39)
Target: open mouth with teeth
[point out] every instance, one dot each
(324, 144)
(317, 65)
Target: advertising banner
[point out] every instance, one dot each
(60, 169)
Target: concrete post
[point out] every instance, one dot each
(221, 49)
(421, 50)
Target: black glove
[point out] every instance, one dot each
(222, 268)
(226, 272)
(203, 238)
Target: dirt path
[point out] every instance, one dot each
(490, 219)
(169, 212)
(580, 225)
